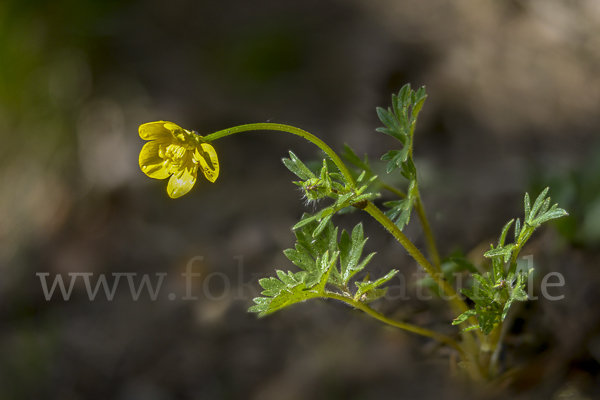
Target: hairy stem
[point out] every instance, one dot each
(431, 245)
(265, 126)
(417, 255)
(398, 324)
(489, 348)
(457, 302)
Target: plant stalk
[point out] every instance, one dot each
(457, 302)
(399, 324)
(265, 126)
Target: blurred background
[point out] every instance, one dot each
(514, 95)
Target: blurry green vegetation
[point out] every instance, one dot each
(578, 189)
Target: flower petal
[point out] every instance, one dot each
(210, 171)
(156, 131)
(181, 183)
(151, 163)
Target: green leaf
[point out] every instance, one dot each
(464, 316)
(417, 108)
(485, 284)
(404, 93)
(497, 269)
(470, 328)
(478, 298)
(552, 214)
(538, 204)
(504, 232)
(297, 167)
(300, 257)
(396, 158)
(366, 287)
(517, 229)
(486, 323)
(464, 264)
(351, 156)
(294, 288)
(395, 134)
(351, 249)
(306, 219)
(318, 245)
(272, 286)
(322, 225)
(545, 206)
(527, 207)
(389, 120)
(504, 252)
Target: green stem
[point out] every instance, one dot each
(398, 324)
(417, 255)
(431, 245)
(392, 189)
(265, 126)
(457, 302)
(489, 348)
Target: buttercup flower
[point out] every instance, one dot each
(178, 153)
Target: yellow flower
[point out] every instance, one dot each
(178, 153)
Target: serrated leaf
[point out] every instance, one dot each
(272, 286)
(390, 155)
(389, 120)
(350, 251)
(300, 257)
(290, 280)
(284, 295)
(285, 298)
(400, 211)
(317, 245)
(403, 219)
(393, 133)
(517, 229)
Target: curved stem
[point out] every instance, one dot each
(265, 126)
(398, 324)
(416, 254)
(457, 302)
